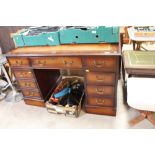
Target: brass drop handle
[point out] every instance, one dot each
(19, 62)
(31, 93)
(24, 74)
(28, 84)
(100, 90)
(100, 101)
(69, 63)
(42, 63)
(100, 78)
(99, 64)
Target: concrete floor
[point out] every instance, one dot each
(20, 115)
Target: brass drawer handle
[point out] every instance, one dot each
(100, 101)
(24, 74)
(68, 63)
(99, 64)
(28, 84)
(31, 93)
(100, 90)
(100, 78)
(41, 63)
(18, 62)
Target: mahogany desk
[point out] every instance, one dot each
(38, 68)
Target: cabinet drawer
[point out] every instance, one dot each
(101, 110)
(57, 62)
(100, 90)
(71, 62)
(27, 84)
(23, 73)
(39, 103)
(101, 63)
(30, 93)
(19, 62)
(96, 101)
(100, 78)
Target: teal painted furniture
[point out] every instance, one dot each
(89, 35)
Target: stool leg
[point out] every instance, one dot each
(138, 119)
(151, 117)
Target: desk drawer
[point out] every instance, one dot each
(27, 84)
(30, 93)
(101, 63)
(101, 110)
(96, 101)
(100, 78)
(26, 73)
(101, 90)
(39, 103)
(57, 62)
(19, 62)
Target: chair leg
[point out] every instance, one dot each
(138, 119)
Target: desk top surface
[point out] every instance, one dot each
(68, 50)
(139, 59)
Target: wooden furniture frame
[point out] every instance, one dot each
(37, 70)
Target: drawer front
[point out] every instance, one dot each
(57, 62)
(101, 90)
(39, 103)
(27, 84)
(72, 62)
(100, 78)
(95, 101)
(101, 110)
(101, 63)
(23, 74)
(19, 62)
(30, 93)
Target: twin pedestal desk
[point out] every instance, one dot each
(37, 70)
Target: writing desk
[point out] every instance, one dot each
(37, 70)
